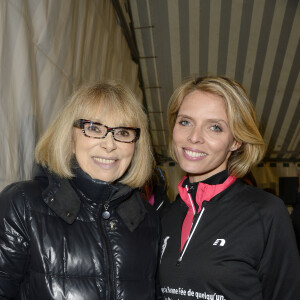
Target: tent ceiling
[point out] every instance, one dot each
(254, 41)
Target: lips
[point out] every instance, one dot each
(194, 154)
(104, 160)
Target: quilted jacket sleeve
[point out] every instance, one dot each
(14, 241)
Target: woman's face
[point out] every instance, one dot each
(202, 139)
(104, 159)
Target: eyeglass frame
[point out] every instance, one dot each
(80, 124)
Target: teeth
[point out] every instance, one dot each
(104, 161)
(194, 154)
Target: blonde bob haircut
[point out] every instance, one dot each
(241, 116)
(55, 148)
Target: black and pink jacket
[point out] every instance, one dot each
(240, 245)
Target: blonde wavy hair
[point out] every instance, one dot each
(241, 117)
(55, 148)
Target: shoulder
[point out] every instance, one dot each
(17, 190)
(269, 208)
(15, 210)
(256, 196)
(263, 201)
(21, 188)
(17, 196)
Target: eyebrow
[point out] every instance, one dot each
(99, 121)
(207, 120)
(217, 120)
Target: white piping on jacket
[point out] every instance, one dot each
(160, 205)
(191, 235)
(191, 200)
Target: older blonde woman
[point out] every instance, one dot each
(223, 239)
(79, 229)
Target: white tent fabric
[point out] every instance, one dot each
(47, 49)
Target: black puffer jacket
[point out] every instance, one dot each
(55, 242)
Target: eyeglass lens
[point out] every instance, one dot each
(99, 131)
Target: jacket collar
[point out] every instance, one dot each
(95, 189)
(206, 190)
(59, 195)
(62, 195)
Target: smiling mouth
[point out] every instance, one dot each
(194, 154)
(104, 161)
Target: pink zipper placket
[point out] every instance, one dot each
(216, 190)
(193, 229)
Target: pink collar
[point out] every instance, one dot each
(205, 192)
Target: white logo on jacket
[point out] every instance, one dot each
(163, 247)
(219, 242)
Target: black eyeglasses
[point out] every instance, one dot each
(99, 131)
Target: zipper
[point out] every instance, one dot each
(104, 214)
(190, 199)
(104, 218)
(190, 237)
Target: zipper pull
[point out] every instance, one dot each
(190, 190)
(178, 261)
(106, 213)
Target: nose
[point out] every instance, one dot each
(108, 143)
(196, 135)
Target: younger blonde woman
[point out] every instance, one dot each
(222, 238)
